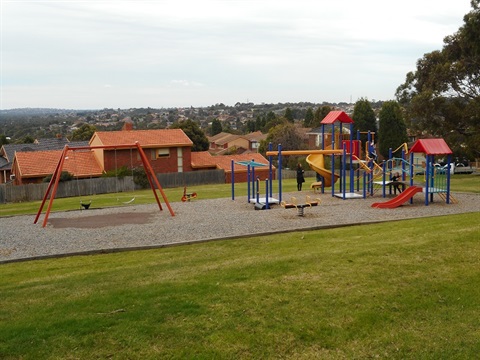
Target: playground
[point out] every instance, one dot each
(326, 203)
(143, 226)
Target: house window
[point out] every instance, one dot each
(163, 153)
(160, 153)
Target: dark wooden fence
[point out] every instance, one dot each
(85, 187)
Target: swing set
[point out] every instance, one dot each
(53, 185)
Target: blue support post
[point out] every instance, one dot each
(352, 171)
(449, 159)
(270, 169)
(427, 177)
(233, 180)
(344, 171)
(254, 191)
(332, 169)
(280, 172)
(248, 183)
(267, 206)
(384, 178)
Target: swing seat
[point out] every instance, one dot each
(85, 206)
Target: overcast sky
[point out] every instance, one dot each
(121, 54)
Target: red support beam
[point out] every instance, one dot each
(53, 185)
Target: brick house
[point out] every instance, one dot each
(31, 167)
(203, 160)
(168, 150)
(231, 143)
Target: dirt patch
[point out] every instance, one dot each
(99, 221)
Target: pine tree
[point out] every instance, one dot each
(392, 131)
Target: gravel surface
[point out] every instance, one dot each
(144, 226)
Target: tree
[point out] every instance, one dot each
(83, 133)
(289, 115)
(195, 133)
(216, 127)
(309, 118)
(442, 97)
(320, 114)
(286, 135)
(364, 118)
(392, 130)
(3, 140)
(28, 139)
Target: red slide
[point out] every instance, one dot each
(400, 199)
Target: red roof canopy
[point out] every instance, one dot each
(333, 116)
(431, 147)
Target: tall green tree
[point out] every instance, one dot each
(83, 133)
(392, 130)
(364, 118)
(194, 132)
(442, 97)
(309, 118)
(285, 134)
(216, 127)
(289, 115)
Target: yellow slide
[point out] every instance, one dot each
(317, 163)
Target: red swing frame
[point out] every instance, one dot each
(53, 185)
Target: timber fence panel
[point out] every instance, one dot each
(105, 185)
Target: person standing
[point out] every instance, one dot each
(300, 178)
(396, 183)
(372, 151)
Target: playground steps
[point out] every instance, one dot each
(452, 200)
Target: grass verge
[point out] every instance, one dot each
(407, 289)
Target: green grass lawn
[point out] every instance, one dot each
(401, 290)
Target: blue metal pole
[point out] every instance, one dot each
(332, 168)
(267, 206)
(233, 180)
(270, 169)
(449, 159)
(280, 172)
(248, 183)
(427, 177)
(352, 172)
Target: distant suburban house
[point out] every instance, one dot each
(8, 151)
(33, 167)
(168, 150)
(204, 160)
(224, 143)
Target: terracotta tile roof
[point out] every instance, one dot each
(43, 163)
(204, 159)
(257, 135)
(9, 150)
(146, 138)
(218, 136)
(226, 139)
